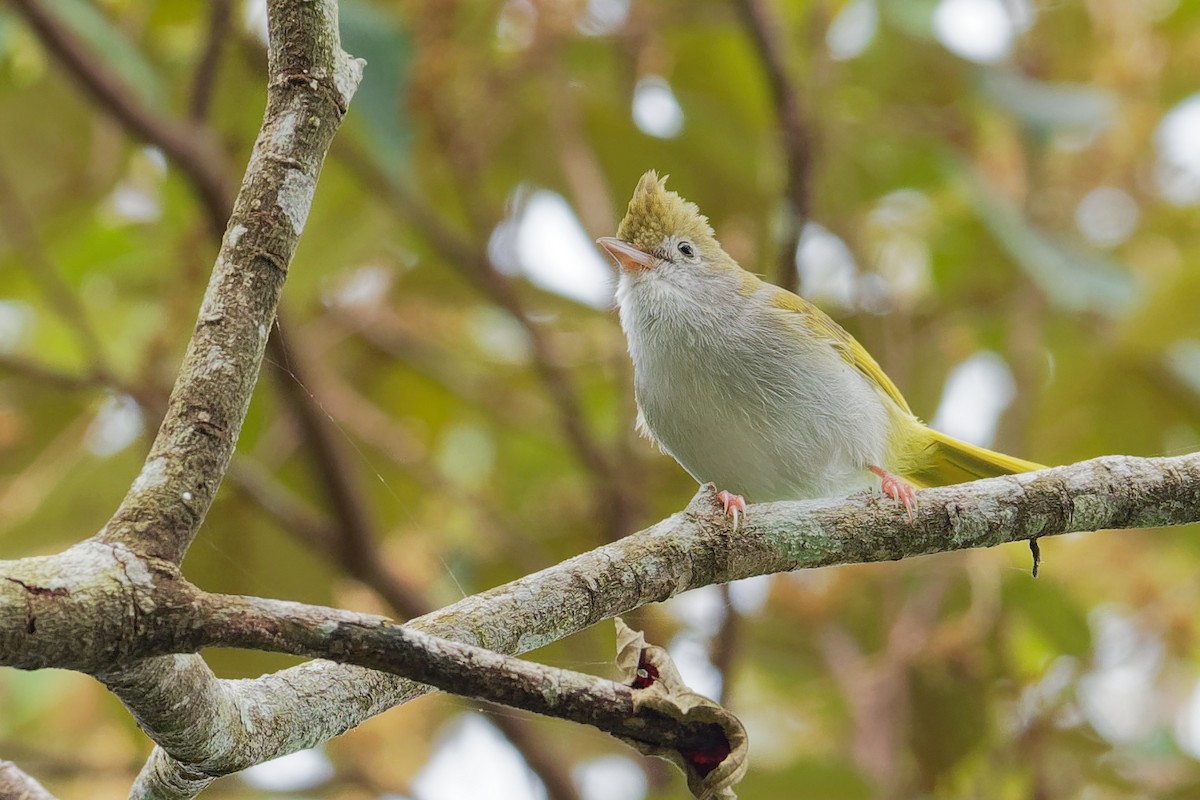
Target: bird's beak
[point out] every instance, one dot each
(628, 257)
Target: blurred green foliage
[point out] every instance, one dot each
(956, 187)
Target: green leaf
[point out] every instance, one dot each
(1043, 106)
(1051, 612)
(808, 779)
(377, 36)
(1072, 278)
(913, 17)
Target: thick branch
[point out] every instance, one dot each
(89, 589)
(298, 707)
(16, 785)
(205, 168)
(695, 548)
(201, 166)
(311, 82)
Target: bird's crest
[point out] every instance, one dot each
(655, 213)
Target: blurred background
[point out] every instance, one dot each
(998, 197)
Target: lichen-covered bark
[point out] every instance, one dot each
(16, 785)
(311, 81)
(107, 603)
(696, 548)
(230, 725)
(462, 669)
(212, 727)
(89, 605)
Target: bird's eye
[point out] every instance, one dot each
(686, 249)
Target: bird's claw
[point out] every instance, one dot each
(898, 489)
(733, 504)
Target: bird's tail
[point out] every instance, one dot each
(946, 460)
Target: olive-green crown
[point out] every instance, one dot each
(654, 213)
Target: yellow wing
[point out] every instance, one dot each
(846, 345)
(922, 455)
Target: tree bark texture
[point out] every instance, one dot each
(116, 605)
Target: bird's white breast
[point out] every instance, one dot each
(732, 388)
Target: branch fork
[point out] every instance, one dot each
(116, 605)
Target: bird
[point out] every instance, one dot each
(753, 388)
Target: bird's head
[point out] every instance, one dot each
(662, 231)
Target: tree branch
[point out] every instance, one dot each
(16, 785)
(311, 82)
(143, 694)
(462, 669)
(52, 376)
(79, 626)
(95, 583)
(192, 148)
(797, 139)
(110, 600)
(205, 77)
(695, 548)
(22, 234)
(205, 168)
(355, 546)
(616, 503)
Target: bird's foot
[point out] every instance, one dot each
(898, 489)
(733, 505)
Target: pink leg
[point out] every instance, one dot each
(732, 503)
(898, 489)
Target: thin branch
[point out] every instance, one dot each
(798, 139)
(20, 230)
(549, 764)
(150, 399)
(263, 489)
(618, 504)
(191, 148)
(355, 544)
(723, 650)
(876, 691)
(204, 79)
(580, 165)
(382, 329)
(465, 670)
(364, 421)
(51, 376)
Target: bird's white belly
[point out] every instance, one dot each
(807, 427)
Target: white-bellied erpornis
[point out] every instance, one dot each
(755, 389)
